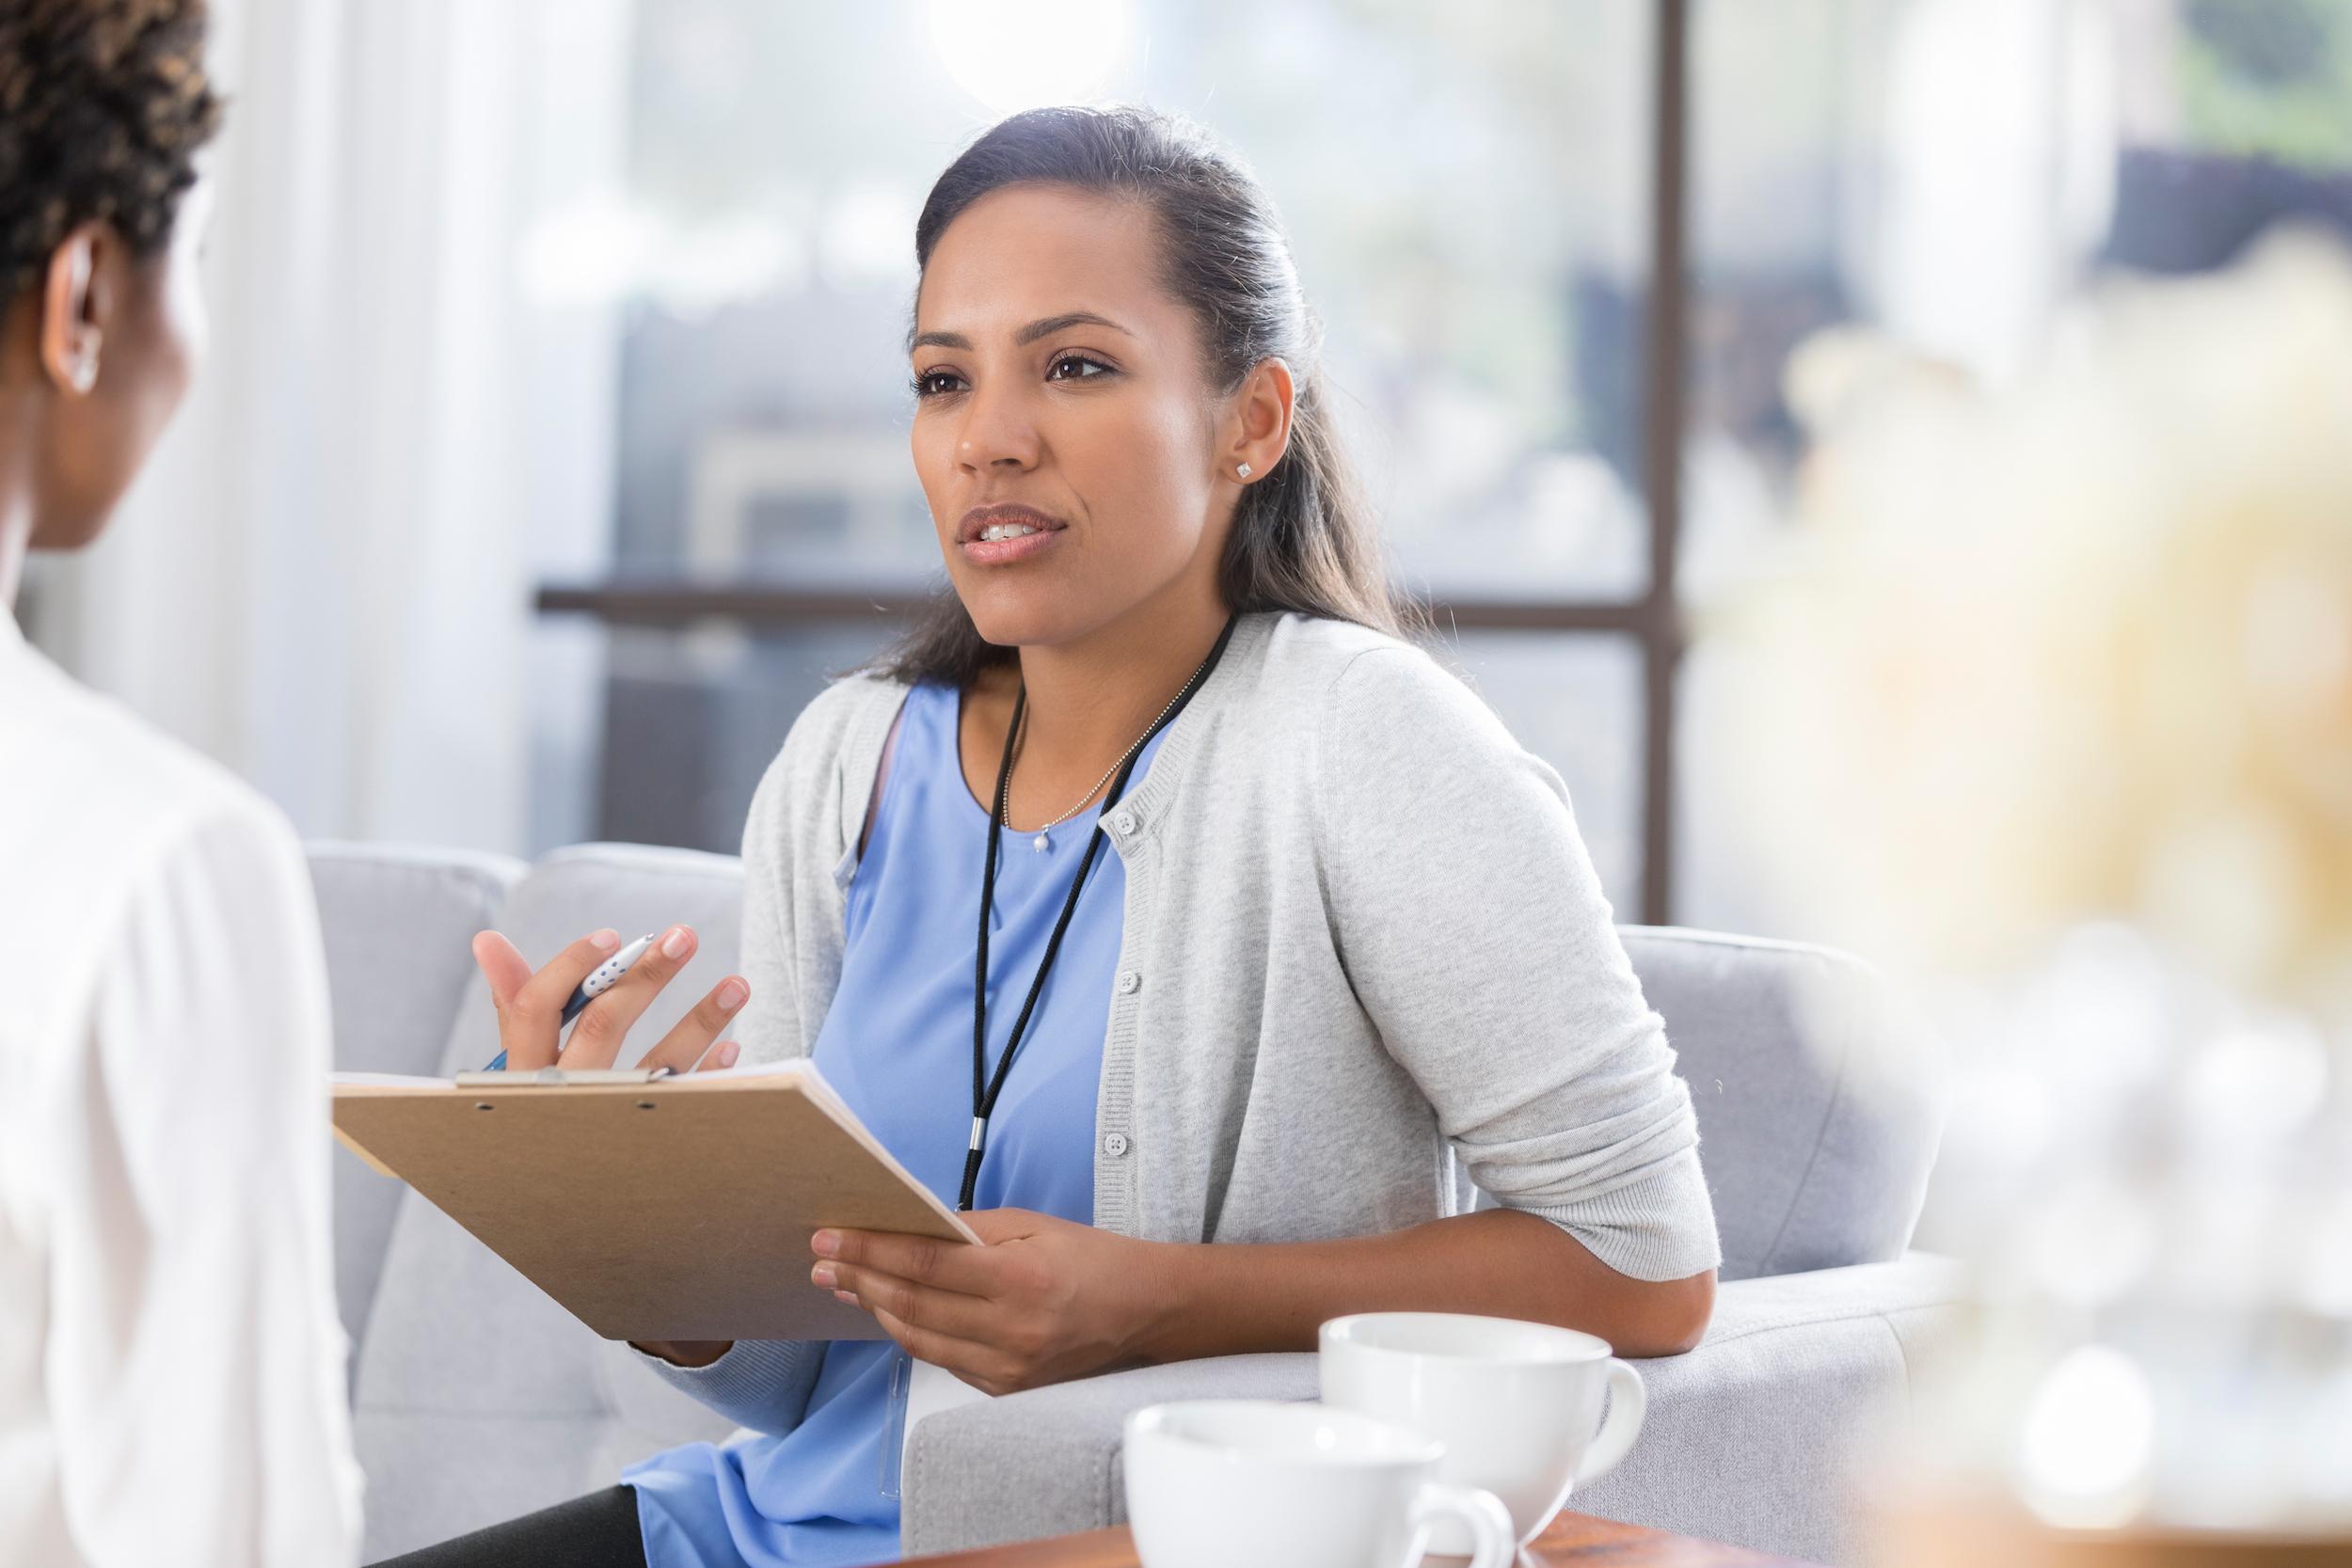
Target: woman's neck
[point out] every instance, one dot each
(16, 539)
(1091, 699)
(20, 448)
(1088, 702)
(16, 505)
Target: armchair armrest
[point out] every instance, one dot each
(1745, 1440)
(1751, 1437)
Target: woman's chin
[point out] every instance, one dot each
(1020, 615)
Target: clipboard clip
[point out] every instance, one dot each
(556, 1078)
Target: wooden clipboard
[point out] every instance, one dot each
(676, 1209)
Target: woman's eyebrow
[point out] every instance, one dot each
(1028, 334)
(1037, 329)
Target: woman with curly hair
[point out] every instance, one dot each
(172, 1367)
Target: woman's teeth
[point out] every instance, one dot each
(1006, 530)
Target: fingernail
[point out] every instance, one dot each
(844, 1295)
(675, 944)
(824, 1275)
(733, 993)
(727, 1053)
(604, 941)
(827, 1242)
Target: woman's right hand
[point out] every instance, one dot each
(531, 1027)
(531, 1006)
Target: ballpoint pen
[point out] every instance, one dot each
(600, 979)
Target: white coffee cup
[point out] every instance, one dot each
(1517, 1405)
(1260, 1483)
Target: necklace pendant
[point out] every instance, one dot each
(1041, 844)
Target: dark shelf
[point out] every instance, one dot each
(679, 601)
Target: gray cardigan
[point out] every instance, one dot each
(1366, 969)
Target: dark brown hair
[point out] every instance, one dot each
(1304, 537)
(102, 107)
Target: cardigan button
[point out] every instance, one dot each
(1129, 982)
(1114, 1144)
(1124, 822)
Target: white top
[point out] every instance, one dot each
(171, 1365)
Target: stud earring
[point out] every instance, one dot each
(1241, 470)
(82, 368)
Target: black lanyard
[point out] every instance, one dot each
(984, 1098)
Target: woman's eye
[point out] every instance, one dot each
(932, 383)
(1076, 359)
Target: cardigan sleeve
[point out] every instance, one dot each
(1478, 940)
(770, 1027)
(760, 1384)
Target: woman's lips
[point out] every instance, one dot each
(1004, 552)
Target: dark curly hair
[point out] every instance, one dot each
(102, 107)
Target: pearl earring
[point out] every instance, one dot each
(83, 372)
(1241, 470)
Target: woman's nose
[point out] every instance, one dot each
(996, 433)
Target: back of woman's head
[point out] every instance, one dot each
(104, 104)
(1304, 536)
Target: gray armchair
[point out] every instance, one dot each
(475, 1398)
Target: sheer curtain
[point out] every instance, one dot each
(323, 579)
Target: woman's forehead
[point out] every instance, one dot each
(1026, 254)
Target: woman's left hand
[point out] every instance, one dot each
(1044, 1301)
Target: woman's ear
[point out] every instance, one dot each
(1258, 425)
(73, 302)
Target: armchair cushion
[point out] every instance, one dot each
(1818, 1100)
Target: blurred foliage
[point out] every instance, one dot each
(2269, 78)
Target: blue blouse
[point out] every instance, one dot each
(897, 1043)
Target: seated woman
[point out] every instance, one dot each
(172, 1367)
(1156, 896)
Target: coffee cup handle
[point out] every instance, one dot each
(1629, 1401)
(1493, 1543)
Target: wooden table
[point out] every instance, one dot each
(1571, 1538)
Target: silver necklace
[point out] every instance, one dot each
(1041, 842)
